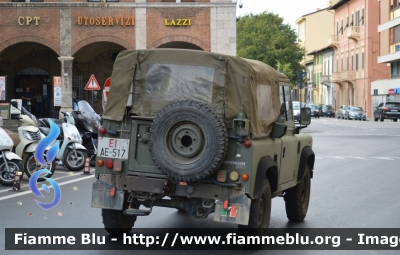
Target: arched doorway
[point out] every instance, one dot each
(30, 64)
(98, 59)
(38, 81)
(180, 45)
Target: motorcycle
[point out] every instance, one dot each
(10, 163)
(71, 154)
(29, 137)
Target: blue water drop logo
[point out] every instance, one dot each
(51, 155)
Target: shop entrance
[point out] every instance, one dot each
(38, 81)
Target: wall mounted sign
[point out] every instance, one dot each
(106, 21)
(2, 88)
(57, 90)
(178, 22)
(28, 20)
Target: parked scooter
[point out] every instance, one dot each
(30, 136)
(87, 121)
(10, 163)
(72, 154)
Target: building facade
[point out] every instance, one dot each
(356, 42)
(322, 73)
(74, 39)
(311, 28)
(388, 89)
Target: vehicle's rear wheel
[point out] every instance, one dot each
(297, 198)
(116, 223)
(75, 162)
(260, 215)
(375, 118)
(381, 117)
(395, 120)
(31, 166)
(188, 141)
(7, 176)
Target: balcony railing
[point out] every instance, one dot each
(336, 77)
(353, 32)
(333, 41)
(325, 78)
(348, 75)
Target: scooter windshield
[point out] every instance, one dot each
(87, 111)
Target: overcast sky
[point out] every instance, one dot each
(289, 10)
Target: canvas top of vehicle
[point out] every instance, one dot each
(225, 83)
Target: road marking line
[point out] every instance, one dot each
(30, 192)
(338, 157)
(372, 129)
(360, 158)
(353, 126)
(319, 157)
(56, 178)
(383, 158)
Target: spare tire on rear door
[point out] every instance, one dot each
(188, 141)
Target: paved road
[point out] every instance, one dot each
(356, 184)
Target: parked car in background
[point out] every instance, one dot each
(341, 111)
(314, 110)
(387, 110)
(327, 111)
(354, 112)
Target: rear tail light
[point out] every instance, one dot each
(109, 163)
(102, 130)
(247, 144)
(100, 162)
(385, 109)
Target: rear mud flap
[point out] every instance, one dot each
(107, 196)
(235, 210)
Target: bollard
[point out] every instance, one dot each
(17, 181)
(86, 169)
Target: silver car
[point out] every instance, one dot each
(354, 112)
(342, 110)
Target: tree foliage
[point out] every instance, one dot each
(264, 37)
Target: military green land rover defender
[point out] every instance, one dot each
(203, 133)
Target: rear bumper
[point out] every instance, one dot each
(167, 187)
(391, 115)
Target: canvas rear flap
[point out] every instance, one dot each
(226, 83)
(122, 77)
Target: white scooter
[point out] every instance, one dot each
(9, 161)
(30, 136)
(72, 154)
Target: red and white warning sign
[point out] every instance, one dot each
(106, 89)
(92, 84)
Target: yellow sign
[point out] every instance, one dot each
(106, 21)
(178, 22)
(27, 20)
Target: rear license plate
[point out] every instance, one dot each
(394, 110)
(113, 148)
